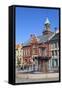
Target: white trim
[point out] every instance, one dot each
(54, 34)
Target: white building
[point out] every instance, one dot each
(19, 55)
(54, 61)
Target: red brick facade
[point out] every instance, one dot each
(37, 50)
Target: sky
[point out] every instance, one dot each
(31, 21)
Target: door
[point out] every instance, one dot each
(40, 65)
(36, 64)
(45, 66)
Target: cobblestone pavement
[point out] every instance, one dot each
(35, 80)
(37, 77)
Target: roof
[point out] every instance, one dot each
(18, 46)
(27, 42)
(40, 39)
(55, 37)
(47, 21)
(44, 38)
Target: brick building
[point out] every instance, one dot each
(40, 53)
(36, 51)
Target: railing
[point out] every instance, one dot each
(47, 55)
(43, 46)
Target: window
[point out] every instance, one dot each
(33, 51)
(55, 52)
(55, 63)
(55, 45)
(52, 62)
(52, 53)
(58, 45)
(58, 52)
(43, 52)
(28, 52)
(24, 52)
(52, 46)
(40, 51)
(34, 46)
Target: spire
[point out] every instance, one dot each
(47, 27)
(47, 21)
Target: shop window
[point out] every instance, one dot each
(55, 63)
